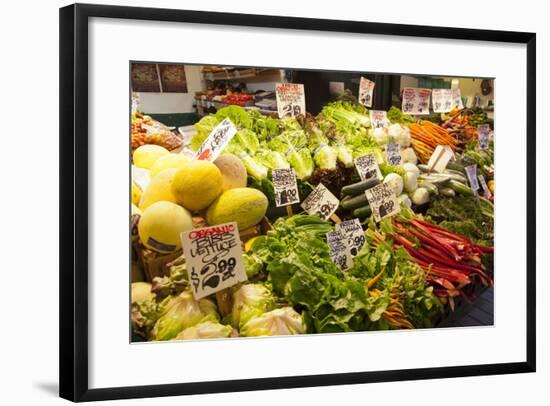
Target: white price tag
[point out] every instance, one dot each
(286, 188)
(213, 257)
(339, 250)
(321, 202)
(141, 177)
(471, 172)
(367, 167)
(218, 139)
(456, 98)
(416, 101)
(442, 100)
(366, 90)
(393, 154)
(378, 118)
(440, 158)
(291, 99)
(382, 201)
(483, 131)
(484, 186)
(355, 236)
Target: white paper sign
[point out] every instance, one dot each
(416, 101)
(213, 257)
(442, 100)
(286, 188)
(456, 99)
(291, 99)
(141, 177)
(378, 118)
(393, 154)
(321, 202)
(366, 90)
(339, 250)
(382, 201)
(440, 158)
(367, 167)
(355, 236)
(218, 139)
(471, 171)
(483, 131)
(484, 186)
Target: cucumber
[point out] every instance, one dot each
(456, 166)
(461, 188)
(458, 177)
(436, 179)
(362, 212)
(354, 202)
(423, 167)
(447, 192)
(430, 187)
(359, 187)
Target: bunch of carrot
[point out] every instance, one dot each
(426, 136)
(395, 313)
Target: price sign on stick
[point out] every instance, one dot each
(367, 167)
(366, 90)
(483, 131)
(440, 158)
(286, 189)
(393, 154)
(213, 257)
(354, 234)
(471, 172)
(339, 250)
(321, 202)
(484, 186)
(382, 201)
(416, 101)
(378, 118)
(291, 99)
(216, 141)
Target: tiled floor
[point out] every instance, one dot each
(479, 313)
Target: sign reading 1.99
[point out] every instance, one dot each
(286, 189)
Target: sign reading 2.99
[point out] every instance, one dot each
(213, 257)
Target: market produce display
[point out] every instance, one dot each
(362, 265)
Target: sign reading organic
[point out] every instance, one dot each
(367, 167)
(366, 90)
(291, 99)
(286, 189)
(416, 101)
(213, 257)
(382, 201)
(216, 141)
(321, 202)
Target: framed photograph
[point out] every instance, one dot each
(250, 221)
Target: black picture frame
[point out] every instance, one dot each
(74, 199)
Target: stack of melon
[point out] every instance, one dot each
(181, 187)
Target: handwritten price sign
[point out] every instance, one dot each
(366, 90)
(416, 101)
(291, 100)
(216, 141)
(286, 189)
(213, 257)
(382, 201)
(321, 202)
